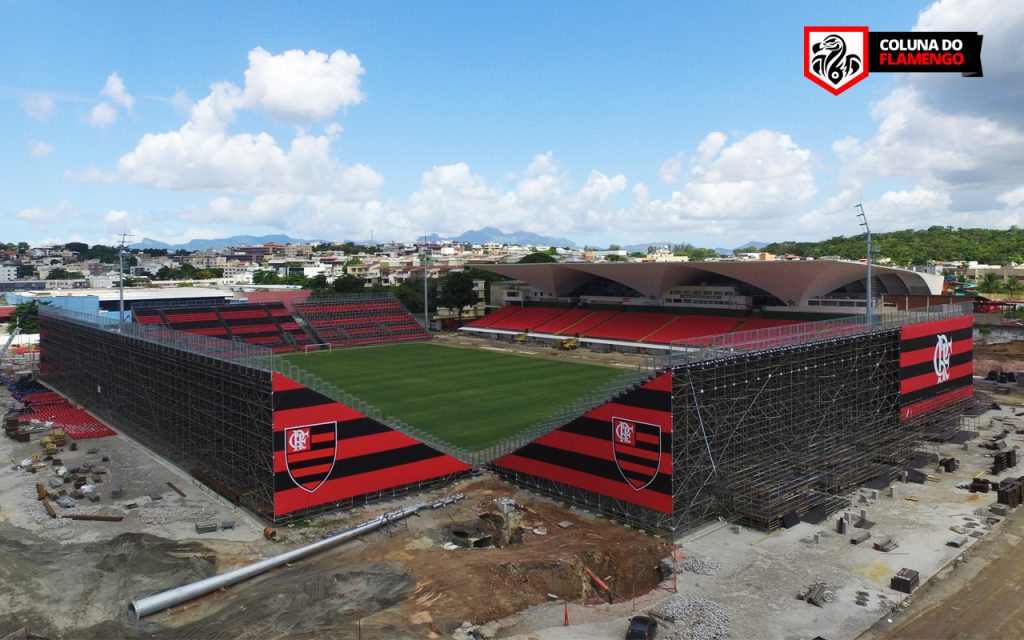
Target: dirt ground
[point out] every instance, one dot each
(401, 583)
(1005, 356)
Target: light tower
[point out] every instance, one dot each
(869, 311)
(120, 261)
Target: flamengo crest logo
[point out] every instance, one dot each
(940, 359)
(309, 453)
(636, 447)
(835, 58)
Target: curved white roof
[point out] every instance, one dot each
(792, 282)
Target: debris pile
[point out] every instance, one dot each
(701, 618)
(700, 566)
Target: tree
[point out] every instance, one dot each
(537, 258)
(27, 316)
(78, 247)
(457, 291)
(1013, 287)
(266, 277)
(990, 283)
(61, 273)
(348, 284)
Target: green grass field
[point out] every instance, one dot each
(468, 397)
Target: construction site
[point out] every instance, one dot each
(199, 485)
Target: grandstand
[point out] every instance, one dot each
(359, 320)
(269, 324)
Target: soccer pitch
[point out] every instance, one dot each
(468, 397)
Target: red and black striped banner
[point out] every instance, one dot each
(622, 449)
(325, 451)
(936, 365)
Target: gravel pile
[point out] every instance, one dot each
(700, 618)
(701, 566)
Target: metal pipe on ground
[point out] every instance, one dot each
(139, 608)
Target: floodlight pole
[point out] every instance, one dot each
(869, 311)
(120, 262)
(426, 276)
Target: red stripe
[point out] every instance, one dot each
(317, 414)
(341, 488)
(938, 326)
(619, 489)
(610, 410)
(908, 358)
(361, 446)
(284, 383)
(309, 455)
(638, 468)
(299, 474)
(931, 404)
(322, 437)
(634, 451)
(649, 438)
(661, 383)
(930, 379)
(593, 447)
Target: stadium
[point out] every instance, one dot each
(757, 392)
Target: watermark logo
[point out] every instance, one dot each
(835, 58)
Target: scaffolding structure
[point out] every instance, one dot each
(777, 434)
(203, 403)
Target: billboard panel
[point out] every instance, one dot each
(936, 365)
(325, 451)
(621, 449)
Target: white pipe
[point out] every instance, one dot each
(141, 607)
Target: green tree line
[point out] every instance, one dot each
(911, 247)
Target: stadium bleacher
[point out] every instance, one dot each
(360, 320)
(646, 327)
(268, 324)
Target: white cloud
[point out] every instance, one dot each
(302, 86)
(672, 169)
(39, 149)
(181, 102)
(115, 216)
(38, 106)
(102, 116)
(296, 86)
(1013, 198)
(44, 217)
(115, 90)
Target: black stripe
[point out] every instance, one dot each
(936, 390)
(647, 399)
(298, 399)
(364, 464)
(346, 430)
(928, 342)
(588, 464)
(602, 429)
(625, 457)
(312, 462)
(921, 368)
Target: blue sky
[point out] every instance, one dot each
(601, 122)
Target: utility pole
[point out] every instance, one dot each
(869, 311)
(426, 276)
(120, 260)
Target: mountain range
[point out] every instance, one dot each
(474, 236)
